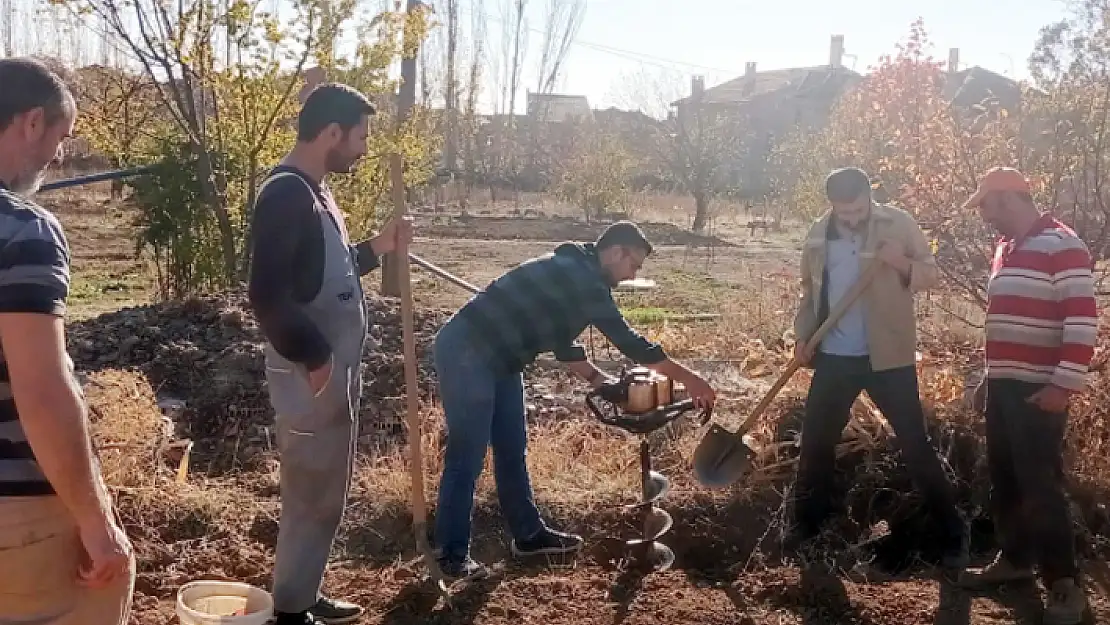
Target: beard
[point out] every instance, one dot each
(338, 163)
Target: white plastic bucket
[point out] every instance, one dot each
(211, 602)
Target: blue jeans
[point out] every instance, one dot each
(482, 409)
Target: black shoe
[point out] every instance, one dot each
(335, 612)
(547, 542)
(296, 618)
(467, 568)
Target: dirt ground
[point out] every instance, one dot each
(717, 579)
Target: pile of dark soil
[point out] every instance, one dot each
(207, 352)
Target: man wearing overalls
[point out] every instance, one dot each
(306, 295)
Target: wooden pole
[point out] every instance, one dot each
(402, 281)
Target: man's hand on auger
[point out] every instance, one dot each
(703, 395)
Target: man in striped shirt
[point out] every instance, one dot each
(1040, 337)
(542, 305)
(65, 561)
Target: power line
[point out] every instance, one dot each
(632, 55)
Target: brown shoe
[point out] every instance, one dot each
(1001, 571)
(1067, 604)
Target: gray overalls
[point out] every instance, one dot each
(316, 434)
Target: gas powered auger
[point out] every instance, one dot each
(641, 402)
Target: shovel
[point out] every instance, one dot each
(415, 439)
(722, 457)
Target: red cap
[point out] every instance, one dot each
(999, 179)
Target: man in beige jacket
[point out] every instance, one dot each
(871, 348)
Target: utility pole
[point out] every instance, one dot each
(406, 100)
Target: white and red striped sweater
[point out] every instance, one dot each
(1041, 316)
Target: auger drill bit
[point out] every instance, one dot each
(655, 521)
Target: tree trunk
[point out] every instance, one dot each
(248, 229)
(212, 197)
(451, 144)
(701, 210)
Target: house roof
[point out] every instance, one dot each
(557, 107)
(965, 88)
(975, 84)
(619, 117)
(817, 80)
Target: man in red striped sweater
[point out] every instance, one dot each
(1040, 335)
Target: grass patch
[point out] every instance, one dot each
(92, 293)
(647, 314)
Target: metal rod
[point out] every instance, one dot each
(136, 171)
(443, 273)
(91, 178)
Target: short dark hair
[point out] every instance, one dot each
(29, 84)
(847, 184)
(624, 233)
(331, 103)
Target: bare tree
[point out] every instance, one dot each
(451, 105)
(7, 16)
(561, 24)
(503, 66)
(1071, 63)
(470, 124)
(432, 61)
(513, 45)
(520, 49)
(693, 145)
(172, 42)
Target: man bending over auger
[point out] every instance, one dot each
(541, 305)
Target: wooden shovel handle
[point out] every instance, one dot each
(835, 314)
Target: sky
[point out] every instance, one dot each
(672, 40)
(716, 38)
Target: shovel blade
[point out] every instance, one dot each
(721, 458)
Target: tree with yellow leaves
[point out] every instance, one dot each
(224, 78)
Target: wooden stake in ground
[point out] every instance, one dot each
(406, 100)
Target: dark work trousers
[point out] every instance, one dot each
(1025, 451)
(837, 382)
